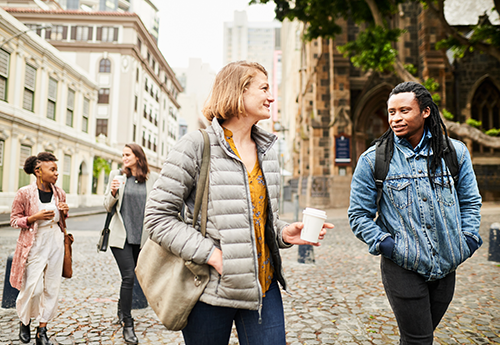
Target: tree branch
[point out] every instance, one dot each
(487, 48)
(377, 16)
(469, 132)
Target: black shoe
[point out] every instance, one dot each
(119, 313)
(128, 331)
(24, 333)
(41, 336)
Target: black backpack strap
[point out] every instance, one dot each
(451, 160)
(382, 163)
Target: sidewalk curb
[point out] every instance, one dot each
(72, 215)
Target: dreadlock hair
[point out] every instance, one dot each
(438, 142)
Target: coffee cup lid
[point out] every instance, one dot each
(315, 212)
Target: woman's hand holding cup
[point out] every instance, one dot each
(118, 180)
(291, 233)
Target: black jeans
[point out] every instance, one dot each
(126, 259)
(418, 305)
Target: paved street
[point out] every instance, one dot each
(339, 300)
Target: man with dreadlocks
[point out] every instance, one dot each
(427, 224)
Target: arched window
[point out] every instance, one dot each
(105, 66)
(486, 109)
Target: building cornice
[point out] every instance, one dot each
(126, 19)
(46, 130)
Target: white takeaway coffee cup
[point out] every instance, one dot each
(313, 220)
(121, 179)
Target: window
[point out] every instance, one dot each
(146, 85)
(145, 111)
(105, 66)
(136, 100)
(85, 115)
(1, 164)
(51, 104)
(4, 73)
(66, 173)
(101, 127)
(70, 108)
(29, 88)
(103, 97)
(144, 138)
(139, 44)
(134, 129)
(36, 28)
(107, 34)
(56, 33)
(137, 75)
(24, 179)
(81, 33)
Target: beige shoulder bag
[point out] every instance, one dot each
(171, 285)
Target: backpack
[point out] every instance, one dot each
(382, 163)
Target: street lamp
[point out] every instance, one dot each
(279, 128)
(25, 31)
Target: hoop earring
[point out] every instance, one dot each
(41, 179)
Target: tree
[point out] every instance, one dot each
(373, 48)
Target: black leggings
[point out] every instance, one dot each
(126, 259)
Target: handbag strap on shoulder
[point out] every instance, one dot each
(201, 200)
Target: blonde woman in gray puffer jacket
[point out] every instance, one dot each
(244, 232)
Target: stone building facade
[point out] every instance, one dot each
(341, 109)
(46, 104)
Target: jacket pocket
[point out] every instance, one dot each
(399, 191)
(444, 190)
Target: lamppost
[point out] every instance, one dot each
(278, 128)
(25, 31)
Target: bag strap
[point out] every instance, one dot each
(382, 164)
(451, 160)
(201, 200)
(109, 217)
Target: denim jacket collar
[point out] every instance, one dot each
(421, 149)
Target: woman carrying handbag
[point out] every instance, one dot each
(38, 210)
(129, 193)
(243, 230)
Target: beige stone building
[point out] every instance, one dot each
(46, 104)
(137, 97)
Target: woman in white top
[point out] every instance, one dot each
(38, 260)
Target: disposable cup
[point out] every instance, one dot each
(313, 220)
(121, 179)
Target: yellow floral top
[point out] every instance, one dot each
(259, 204)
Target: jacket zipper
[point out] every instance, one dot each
(252, 232)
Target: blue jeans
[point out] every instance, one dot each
(211, 325)
(418, 305)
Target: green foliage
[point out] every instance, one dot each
(100, 164)
(483, 33)
(447, 115)
(474, 123)
(431, 84)
(373, 49)
(436, 98)
(411, 68)
(494, 132)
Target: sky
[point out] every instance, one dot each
(193, 28)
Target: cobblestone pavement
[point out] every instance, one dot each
(339, 300)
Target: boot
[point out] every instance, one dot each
(119, 313)
(41, 336)
(24, 333)
(128, 331)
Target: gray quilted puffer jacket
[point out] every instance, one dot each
(230, 217)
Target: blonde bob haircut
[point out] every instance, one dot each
(226, 98)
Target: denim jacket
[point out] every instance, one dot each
(428, 223)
